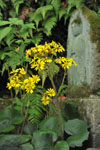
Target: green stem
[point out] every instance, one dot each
(58, 113)
(53, 84)
(65, 73)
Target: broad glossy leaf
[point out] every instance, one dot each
(13, 142)
(27, 146)
(43, 140)
(6, 126)
(51, 123)
(61, 145)
(30, 128)
(12, 115)
(77, 140)
(78, 130)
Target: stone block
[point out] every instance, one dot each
(90, 111)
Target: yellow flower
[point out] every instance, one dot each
(10, 85)
(50, 92)
(29, 83)
(14, 71)
(36, 78)
(65, 62)
(46, 59)
(60, 60)
(28, 53)
(40, 64)
(45, 100)
(17, 82)
(22, 71)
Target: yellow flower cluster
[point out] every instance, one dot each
(39, 63)
(65, 62)
(18, 80)
(43, 50)
(29, 84)
(46, 96)
(42, 54)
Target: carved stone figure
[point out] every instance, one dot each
(83, 46)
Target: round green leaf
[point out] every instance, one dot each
(50, 123)
(61, 145)
(75, 126)
(78, 130)
(27, 146)
(6, 126)
(43, 140)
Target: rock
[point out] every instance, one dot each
(89, 109)
(83, 46)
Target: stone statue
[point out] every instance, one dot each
(83, 46)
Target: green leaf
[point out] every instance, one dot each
(43, 10)
(61, 145)
(43, 140)
(6, 126)
(37, 38)
(62, 12)
(49, 24)
(78, 131)
(9, 39)
(3, 55)
(77, 140)
(73, 3)
(35, 17)
(30, 128)
(9, 117)
(2, 4)
(4, 32)
(53, 68)
(50, 123)
(17, 101)
(15, 21)
(26, 146)
(2, 23)
(37, 109)
(16, 4)
(13, 142)
(56, 4)
(43, 74)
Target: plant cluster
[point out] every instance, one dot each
(54, 131)
(24, 23)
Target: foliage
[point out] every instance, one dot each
(49, 133)
(23, 23)
(15, 142)
(9, 118)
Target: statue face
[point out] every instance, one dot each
(76, 28)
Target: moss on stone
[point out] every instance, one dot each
(94, 21)
(78, 91)
(77, 20)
